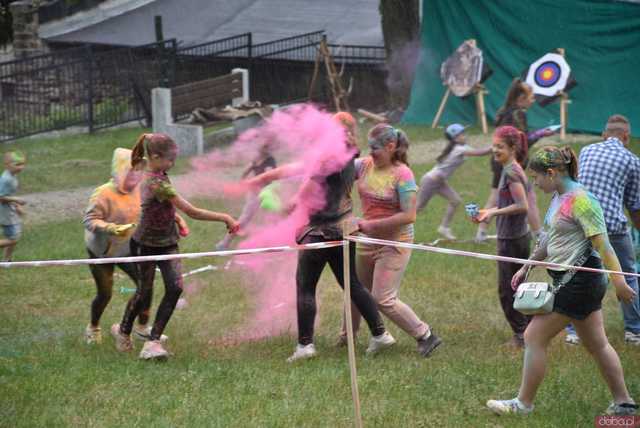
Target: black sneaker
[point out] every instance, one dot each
(428, 345)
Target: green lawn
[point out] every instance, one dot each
(49, 377)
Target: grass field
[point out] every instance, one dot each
(49, 377)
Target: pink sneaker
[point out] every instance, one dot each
(153, 350)
(123, 342)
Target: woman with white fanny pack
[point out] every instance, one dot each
(576, 227)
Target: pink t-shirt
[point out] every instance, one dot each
(385, 193)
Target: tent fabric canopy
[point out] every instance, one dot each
(601, 41)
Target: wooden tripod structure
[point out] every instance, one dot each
(338, 93)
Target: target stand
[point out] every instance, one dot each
(479, 91)
(463, 74)
(550, 78)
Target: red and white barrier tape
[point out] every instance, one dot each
(375, 241)
(76, 262)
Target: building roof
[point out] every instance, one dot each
(131, 22)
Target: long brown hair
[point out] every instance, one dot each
(515, 139)
(151, 144)
(561, 159)
(517, 88)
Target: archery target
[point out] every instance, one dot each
(548, 75)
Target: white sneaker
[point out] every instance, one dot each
(632, 338)
(143, 332)
(446, 233)
(506, 407)
(303, 352)
(92, 335)
(378, 343)
(153, 350)
(123, 343)
(622, 409)
(572, 339)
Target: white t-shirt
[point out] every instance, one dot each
(451, 162)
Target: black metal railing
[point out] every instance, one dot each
(297, 48)
(97, 86)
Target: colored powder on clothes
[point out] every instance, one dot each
(301, 135)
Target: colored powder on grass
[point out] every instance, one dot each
(301, 135)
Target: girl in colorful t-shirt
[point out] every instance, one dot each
(157, 234)
(435, 181)
(509, 149)
(576, 235)
(520, 98)
(387, 191)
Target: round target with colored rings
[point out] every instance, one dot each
(548, 74)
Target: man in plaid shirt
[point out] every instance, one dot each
(612, 174)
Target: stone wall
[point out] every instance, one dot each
(26, 41)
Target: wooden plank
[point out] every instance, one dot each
(230, 79)
(203, 102)
(204, 86)
(218, 92)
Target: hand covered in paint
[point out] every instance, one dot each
(232, 225)
(120, 229)
(484, 216)
(624, 293)
(183, 228)
(518, 277)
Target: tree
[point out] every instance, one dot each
(401, 32)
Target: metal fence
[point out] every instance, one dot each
(81, 87)
(98, 87)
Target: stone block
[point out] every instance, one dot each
(189, 138)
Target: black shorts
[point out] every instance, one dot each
(583, 294)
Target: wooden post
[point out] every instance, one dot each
(564, 113)
(482, 115)
(441, 108)
(564, 101)
(346, 272)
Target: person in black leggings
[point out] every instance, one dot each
(328, 224)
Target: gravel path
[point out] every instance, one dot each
(69, 204)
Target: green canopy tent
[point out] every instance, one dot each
(602, 45)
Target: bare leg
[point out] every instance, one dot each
(591, 332)
(454, 200)
(251, 207)
(8, 246)
(537, 336)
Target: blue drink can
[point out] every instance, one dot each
(472, 210)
